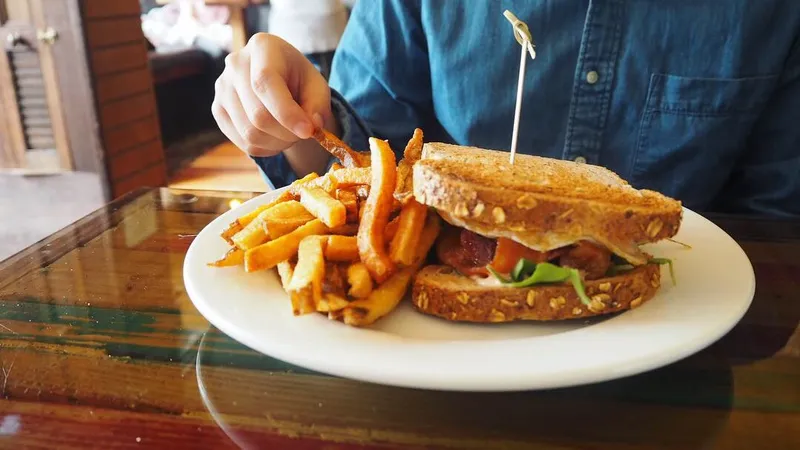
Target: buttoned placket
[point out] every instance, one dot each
(593, 81)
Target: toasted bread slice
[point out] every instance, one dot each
(443, 292)
(542, 203)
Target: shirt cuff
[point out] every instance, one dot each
(355, 132)
(276, 169)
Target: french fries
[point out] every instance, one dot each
(409, 228)
(285, 272)
(305, 287)
(348, 229)
(352, 177)
(286, 217)
(383, 299)
(330, 237)
(233, 257)
(391, 229)
(342, 248)
(412, 153)
(371, 241)
(268, 255)
(253, 234)
(350, 202)
(359, 280)
(345, 154)
(330, 211)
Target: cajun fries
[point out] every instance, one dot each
(346, 243)
(371, 240)
(409, 228)
(342, 248)
(413, 152)
(359, 279)
(330, 211)
(268, 255)
(305, 287)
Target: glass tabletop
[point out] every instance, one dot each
(101, 347)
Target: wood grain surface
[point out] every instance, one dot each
(100, 347)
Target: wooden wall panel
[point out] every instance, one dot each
(124, 94)
(105, 33)
(124, 84)
(99, 9)
(135, 160)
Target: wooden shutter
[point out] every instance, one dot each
(34, 130)
(31, 99)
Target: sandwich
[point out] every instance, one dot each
(541, 239)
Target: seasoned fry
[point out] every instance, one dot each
(413, 150)
(350, 202)
(342, 248)
(371, 241)
(359, 280)
(268, 255)
(325, 182)
(411, 154)
(385, 297)
(233, 228)
(285, 271)
(330, 303)
(411, 221)
(239, 224)
(279, 226)
(281, 212)
(362, 192)
(324, 207)
(334, 281)
(307, 279)
(253, 234)
(233, 257)
(391, 229)
(352, 176)
(337, 148)
(348, 229)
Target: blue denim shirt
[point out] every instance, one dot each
(697, 99)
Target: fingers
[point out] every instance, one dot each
(268, 79)
(257, 114)
(229, 130)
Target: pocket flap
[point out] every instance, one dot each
(672, 93)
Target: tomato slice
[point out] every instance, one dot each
(509, 252)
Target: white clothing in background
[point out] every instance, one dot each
(311, 26)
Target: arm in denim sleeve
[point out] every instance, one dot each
(767, 180)
(380, 81)
(381, 74)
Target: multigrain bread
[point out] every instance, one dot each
(443, 292)
(542, 203)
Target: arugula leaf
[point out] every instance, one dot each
(523, 269)
(577, 283)
(502, 279)
(543, 273)
(662, 261)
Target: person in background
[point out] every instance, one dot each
(313, 27)
(698, 100)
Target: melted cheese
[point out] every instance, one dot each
(546, 241)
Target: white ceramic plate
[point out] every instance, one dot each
(715, 285)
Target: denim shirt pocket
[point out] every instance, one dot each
(692, 132)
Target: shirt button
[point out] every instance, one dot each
(592, 77)
(580, 160)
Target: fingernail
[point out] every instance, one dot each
(318, 122)
(303, 130)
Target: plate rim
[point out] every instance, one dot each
(465, 383)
